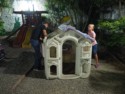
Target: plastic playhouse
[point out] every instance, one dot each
(68, 55)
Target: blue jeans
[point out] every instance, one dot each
(38, 56)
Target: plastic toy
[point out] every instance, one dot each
(67, 49)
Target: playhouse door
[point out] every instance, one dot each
(68, 57)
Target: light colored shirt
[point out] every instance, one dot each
(93, 35)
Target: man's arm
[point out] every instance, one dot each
(42, 37)
(45, 33)
(45, 36)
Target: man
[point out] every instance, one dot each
(38, 36)
(92, 34)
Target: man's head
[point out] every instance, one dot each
(91, 27)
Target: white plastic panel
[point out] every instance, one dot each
(83, 55)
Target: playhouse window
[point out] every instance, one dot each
(53, 70)
(83, 68)
(53, 53)
(86, 48)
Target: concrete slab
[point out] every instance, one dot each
(109, 78)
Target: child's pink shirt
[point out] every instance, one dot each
(93, 35)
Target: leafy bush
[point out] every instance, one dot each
(116, 40)
(116, 34)
(112, 26)
(4, 3)
(2, 31)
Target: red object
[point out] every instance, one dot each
(20, 37)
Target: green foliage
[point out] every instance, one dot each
(77, 9)
(100, 3)
(2, 31)
(60, 8)
(106, 3)
(122, 22)
(116, 40)
(4, 3)
(112, 26)
(116, 36)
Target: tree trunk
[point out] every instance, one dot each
(120, 8)
(89, 13)
(71, 15)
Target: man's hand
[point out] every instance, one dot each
(41, 39)
(45, 39)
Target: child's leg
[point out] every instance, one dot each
(96, 58)
(94, 50)
(97, 61)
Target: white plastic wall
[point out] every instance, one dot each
(83, 55)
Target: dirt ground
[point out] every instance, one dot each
(109, 78)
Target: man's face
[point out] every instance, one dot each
(90, 27)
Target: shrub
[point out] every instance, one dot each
(2, 31)
(116, 34)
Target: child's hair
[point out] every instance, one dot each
(92, 25)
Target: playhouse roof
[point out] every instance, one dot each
(61, 34)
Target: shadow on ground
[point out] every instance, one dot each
(19, 65)
(108, 81)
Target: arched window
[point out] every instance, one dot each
(53, 70)
(53, 53)
(86, 48)
(69, 57)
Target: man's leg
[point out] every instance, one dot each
(36, 46)
(38, 57)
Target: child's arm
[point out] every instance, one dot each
(92, 34)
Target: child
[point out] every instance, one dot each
(92, 34)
